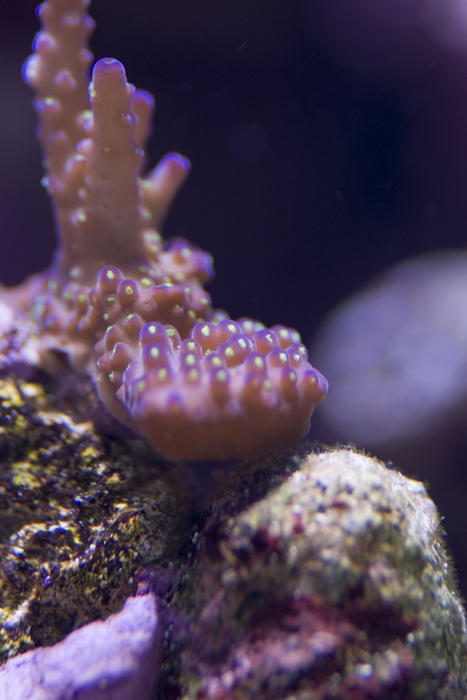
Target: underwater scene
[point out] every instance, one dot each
(233, 350)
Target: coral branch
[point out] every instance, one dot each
(161, 186)
(58, 71)
(111, 200)
(127, 307)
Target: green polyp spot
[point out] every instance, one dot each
(82, 297)
(129, 317)
(242, 343)
(185, 252)
(216, 361)
(68, 296)
(221, 375)
(129, 290)
(282, 357)
(297, 357)
(267, 384)
(191, 313)
(110, 274)
(152, 329)
(105, 316)
(171, 332)
(205, 330)
(193, 375)
(292, 377)
(141, 386)
(146, 282)
(107, 149)
(229, 352)
(110, 300)
(191, 345)
(154, 352)
(231, 327)
(81, 217)
(284, 333)
(162, 374)
(49, 101)
(111, 377)
(259, 363)
(190, 359)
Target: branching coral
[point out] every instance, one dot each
(127, 307)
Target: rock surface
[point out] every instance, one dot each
(311, 575)
(83, 504)
(334, 584)
(114, 659)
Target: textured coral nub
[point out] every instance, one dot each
(223, 392)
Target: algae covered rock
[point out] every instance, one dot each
(82, 505)
(334, 584)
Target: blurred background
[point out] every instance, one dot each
(328, 143)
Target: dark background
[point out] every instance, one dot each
(328, 140)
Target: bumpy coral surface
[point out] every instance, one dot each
(123, 305)
(334, 584)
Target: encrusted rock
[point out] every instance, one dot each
(335, 584)
(81, 509)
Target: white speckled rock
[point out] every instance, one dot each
(335, 583)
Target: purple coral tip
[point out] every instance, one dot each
(108, 68)
(176, 160)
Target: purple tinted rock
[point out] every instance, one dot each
(17, 347)
(396, 356)
(113, 659)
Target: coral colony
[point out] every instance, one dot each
(124, 305)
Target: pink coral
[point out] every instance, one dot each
(124, 305)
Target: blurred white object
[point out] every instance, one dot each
(395, 354)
